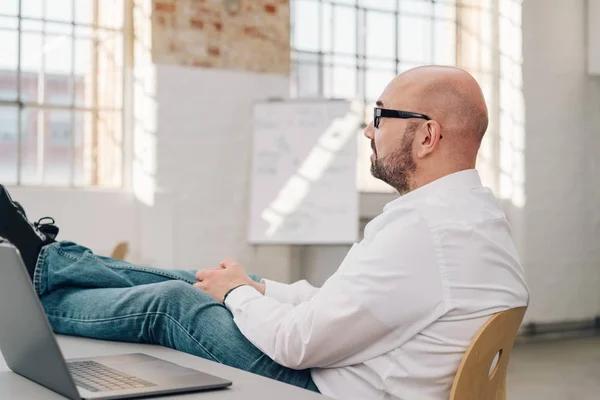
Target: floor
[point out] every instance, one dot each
(565, 369)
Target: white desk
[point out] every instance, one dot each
(245, 386)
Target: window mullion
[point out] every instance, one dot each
(41, 114)
(73, 95)
(19, 101)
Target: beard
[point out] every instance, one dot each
(397, 168)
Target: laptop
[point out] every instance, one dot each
(30, 349)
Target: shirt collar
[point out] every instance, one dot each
(462, 180)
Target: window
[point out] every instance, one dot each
(352, 48)
(61, 92)
(8, 125)
(358, 46)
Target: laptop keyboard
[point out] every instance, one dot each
(96, 377)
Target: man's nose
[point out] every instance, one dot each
(369, 131)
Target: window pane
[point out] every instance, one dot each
(9, 23)
(32, 26)
(378, 4)
(343, 82)
(380, 35)
(58, 149)
(376, 81)
(416, 7)
(83, 149)
(45, 147)
(59, 28)
(58, 89)
(8, 144)
(84, 12)
(326, 26)
(308, 79)
(381, 64)
(405, 66)
(346, 2)
(9, 7)
(32, 8)
(8, 44)
(8, 85)
(84, 76)
(444, 42)
(59, 10)
(445, 10)
(31, 65)
(8, 64)
(343, 61)
(58, 53)
(84, 32)
(306, 31)
(109, 149)
(344, 36)
(415, 39)
(31, 52)
(30, 174)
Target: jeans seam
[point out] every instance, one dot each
(139, 268)
(37, 275)
(129, 267)
(140, 315)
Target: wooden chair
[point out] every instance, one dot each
(120, 251)
(474, 378)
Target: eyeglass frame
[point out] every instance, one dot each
(379, 113)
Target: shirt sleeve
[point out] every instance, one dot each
(294, 293)
(382, 295)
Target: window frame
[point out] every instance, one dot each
(23, 106)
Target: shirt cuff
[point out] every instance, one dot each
(240, 296)
(279, 291)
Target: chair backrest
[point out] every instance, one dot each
(475, 380)
(120, 251)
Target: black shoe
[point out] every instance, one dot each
(47, 228)
(24, 235)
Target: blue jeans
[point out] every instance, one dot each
(97, 297)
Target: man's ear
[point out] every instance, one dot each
(431, 133)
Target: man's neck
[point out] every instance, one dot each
(421, 179)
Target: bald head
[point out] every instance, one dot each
(449, 95)
(409, 152)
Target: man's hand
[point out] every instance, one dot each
(218, 281)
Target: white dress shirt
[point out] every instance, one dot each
(396, 318)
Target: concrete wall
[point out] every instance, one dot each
(561, 238)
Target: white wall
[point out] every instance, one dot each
(95, 218)
(561, 238)
(204, 136)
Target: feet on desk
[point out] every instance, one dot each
(28, 237)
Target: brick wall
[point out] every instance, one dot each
(241, 35)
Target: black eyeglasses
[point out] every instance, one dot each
(385, 113)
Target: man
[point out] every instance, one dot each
(393, 322)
